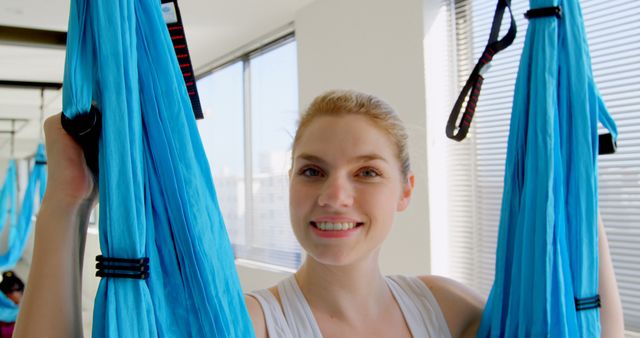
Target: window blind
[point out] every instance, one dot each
(613, 30)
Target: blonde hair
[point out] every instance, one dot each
(350, 102)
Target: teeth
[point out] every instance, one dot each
(327, 226)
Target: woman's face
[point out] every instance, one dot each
(345, 188)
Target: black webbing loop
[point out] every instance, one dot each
(133, 268)
(543, 12)
(474, 83)
(587, 303)
(85, 129)
(606, 144)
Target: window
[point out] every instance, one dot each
(475, 190)
(250, 110)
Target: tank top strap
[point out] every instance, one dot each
(275, 322)
(296, 310)
(295, 318)
(420, 308)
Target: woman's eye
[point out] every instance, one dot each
(369, 173)
(310, 172)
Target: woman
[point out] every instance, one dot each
(350, 175)
(350, 169)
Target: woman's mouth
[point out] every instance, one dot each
(335, 229)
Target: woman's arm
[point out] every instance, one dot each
(52, 302)
(611, 317)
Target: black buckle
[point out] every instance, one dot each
(587, 303)
(133, 268)
(543, 12)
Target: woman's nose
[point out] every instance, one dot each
(337, 192)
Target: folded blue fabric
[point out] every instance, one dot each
(547, 252)
(157, 197)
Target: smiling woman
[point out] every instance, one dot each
(350, 175)
(345, 174)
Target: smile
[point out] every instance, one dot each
(330, 226)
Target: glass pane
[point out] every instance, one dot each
(274, 112)
(222, 133)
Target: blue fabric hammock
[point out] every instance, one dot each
(8, 203)
(19, 226)
(9, 199)
(157, 199)
(547, 256)
(8, 309)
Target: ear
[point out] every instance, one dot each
(407, 190)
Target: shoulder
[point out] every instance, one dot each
(461, 306)
(256, 312)
(257, 316)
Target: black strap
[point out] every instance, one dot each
(474, 83)
(606, 144)
(132, 268)
(40, 162)
(587, 303)
(173, 19)
(543, 12)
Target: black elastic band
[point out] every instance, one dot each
(474, 83)
(133, 268)
(543, 12)
(39, 162)
(587, 303)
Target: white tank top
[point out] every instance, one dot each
(295, 319)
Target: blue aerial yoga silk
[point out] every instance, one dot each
(547, 252)
(9, 198)
(8, 203)
(157, 198)
(20, 226)
(8, 309)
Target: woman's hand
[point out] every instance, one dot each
(69, 180)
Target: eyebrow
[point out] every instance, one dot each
(361, 158)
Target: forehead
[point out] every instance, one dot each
(346, 136)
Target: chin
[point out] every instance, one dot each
(332, 256)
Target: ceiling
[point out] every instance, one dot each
(213, 28)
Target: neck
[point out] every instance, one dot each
(341, 290)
